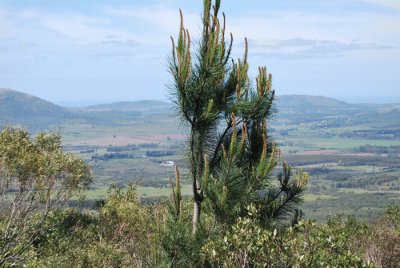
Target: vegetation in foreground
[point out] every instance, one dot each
(36, 178)
(122, 232)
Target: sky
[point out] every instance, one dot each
(80, 52)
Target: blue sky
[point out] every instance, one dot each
(84, 52)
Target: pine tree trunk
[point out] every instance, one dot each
(196, 215)
(197, 165)
(198, 198)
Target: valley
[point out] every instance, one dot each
(352, 151)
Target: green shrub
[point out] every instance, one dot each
(305, 245)
(121, 233)
(383, 246)
(36, 177)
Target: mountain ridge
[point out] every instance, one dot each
(39, 114)
(23, 109)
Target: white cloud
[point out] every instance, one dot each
(74, 26)
(121, 42)
(163, 18)
(395, 4)
(364, 26)
(83, 28)
(315, 46)
(121, 54)
(309, 49)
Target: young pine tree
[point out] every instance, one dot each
(230, 153)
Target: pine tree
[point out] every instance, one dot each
(230, 152)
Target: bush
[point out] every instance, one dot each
(36, 177)
(305, 245)
(121, 233)
(383, 246)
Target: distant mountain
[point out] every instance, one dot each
(33, 112)
(38, 114)
(331, 112)
(291, 103)
(145, 106)
(311, 103)
(17, 108)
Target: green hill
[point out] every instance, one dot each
(17, 108)
(30, 111)
(308, 103)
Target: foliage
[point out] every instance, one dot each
(126, 223)
(181, 247)
(122, 233)
(393, 216)
(231, 156)
(307, 244)
(232, 189)
(74, 240)
(70, 233)
(36, 176)
(383, 246)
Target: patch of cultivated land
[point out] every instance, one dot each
(352, 151)
(126, 140)
(143, 192)
(349, 183)
(343, 178)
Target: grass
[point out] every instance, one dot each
(162, 192)
(362, 169)
(313, 197)
(102, 192)
(77, 130)
(353, 190)
(343, 143)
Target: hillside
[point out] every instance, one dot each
(17, 108)
(33, 112)
(311, 103)
(38, 114)
(328, 112)
(144, 106)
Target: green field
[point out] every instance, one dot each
(143, 192)
(351, 151)
(129, 142)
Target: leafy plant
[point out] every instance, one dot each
(36, 176)
(247, 244)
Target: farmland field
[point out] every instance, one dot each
(348, 173)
